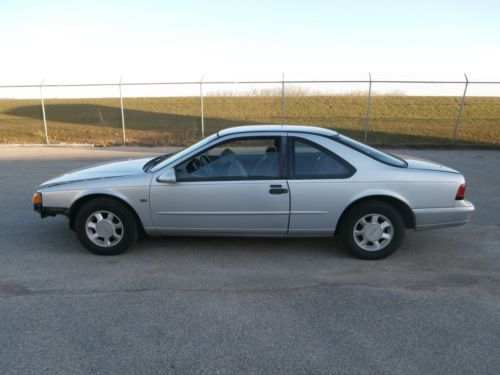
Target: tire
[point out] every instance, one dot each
(113, 226)
(372, 230)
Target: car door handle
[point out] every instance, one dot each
(277, 189)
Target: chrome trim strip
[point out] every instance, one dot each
(224, 213)
(242, 213)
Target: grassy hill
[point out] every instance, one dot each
(394, 120)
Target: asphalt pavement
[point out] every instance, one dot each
(236, 306)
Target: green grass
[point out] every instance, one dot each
(394, 120)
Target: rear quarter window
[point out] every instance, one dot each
(312, 161)
(371, 152)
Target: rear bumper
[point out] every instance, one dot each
(430, 218)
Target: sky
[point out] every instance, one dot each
(101, 41)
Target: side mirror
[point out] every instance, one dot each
(168, 177)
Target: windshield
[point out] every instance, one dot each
(371, 152)
(157, 163)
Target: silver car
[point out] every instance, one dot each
(264, 180)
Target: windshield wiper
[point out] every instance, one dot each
(150, 164)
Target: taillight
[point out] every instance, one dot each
(460, 192)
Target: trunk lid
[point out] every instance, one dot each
(424, 164)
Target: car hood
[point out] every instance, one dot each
(424, 164)
(99, 171)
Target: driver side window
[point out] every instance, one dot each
(237, 159)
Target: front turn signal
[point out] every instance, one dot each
(37, 199)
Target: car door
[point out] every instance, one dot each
(235, 186)
(316, 179)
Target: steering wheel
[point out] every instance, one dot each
(204, 162)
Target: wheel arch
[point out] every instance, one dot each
(80, 201)
(398, 203)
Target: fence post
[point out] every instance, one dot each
(43, 114)
(122, 111)
(202, 110)
(283, 99)
(459, 116)
(367, 119)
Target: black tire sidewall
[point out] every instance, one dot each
(130, 227)
(372, 207)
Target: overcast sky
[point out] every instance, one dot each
(83, 41)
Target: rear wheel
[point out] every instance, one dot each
(373, 230)
(106, 227)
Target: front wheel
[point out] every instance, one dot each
(106, 227)
(373, 230)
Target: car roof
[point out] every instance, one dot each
(284, 128)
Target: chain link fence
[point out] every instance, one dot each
(380, 112)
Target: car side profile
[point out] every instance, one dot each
(264, 180)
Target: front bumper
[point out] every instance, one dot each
(49, 211)
(46, 211)
(431, 218)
